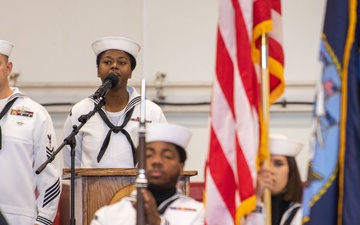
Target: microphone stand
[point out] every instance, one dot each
(141, 181)
(70, 140)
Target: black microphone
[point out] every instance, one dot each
(110, 81)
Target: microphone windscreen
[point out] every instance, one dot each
(113, 78)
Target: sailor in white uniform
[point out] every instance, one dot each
(284, 182)
(27, 138)
(164, 204)
(104, 141)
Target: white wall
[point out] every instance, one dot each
(56, 64)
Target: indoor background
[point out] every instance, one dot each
(54, 63)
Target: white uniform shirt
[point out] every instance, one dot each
(259, 218)
(182, 211)
(92, 135)
(28, 138)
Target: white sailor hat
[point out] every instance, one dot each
(119, 43)
(281, 145)
(168, 132)
(5, 48)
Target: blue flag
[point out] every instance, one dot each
(332, 196)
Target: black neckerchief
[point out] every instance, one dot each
(2, 114)
(161, 195)
(2, 220)
(278, 208)
(129, 110)
(116, 129)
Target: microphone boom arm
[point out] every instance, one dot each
(82, 119)
(70, 140)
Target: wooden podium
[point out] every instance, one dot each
(95, 188)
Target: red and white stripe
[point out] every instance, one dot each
(230, 173)
(234, 124)
(276, 53)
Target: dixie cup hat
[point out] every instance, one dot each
(118, 43)
(281, 145)
(5, 48)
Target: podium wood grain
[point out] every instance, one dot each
(95, 188)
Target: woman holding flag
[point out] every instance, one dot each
(284, 182)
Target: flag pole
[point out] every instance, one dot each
(265, 103)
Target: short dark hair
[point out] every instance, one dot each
(182, 153)
(132, 60)
(294, 187)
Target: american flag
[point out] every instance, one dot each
(231, 166)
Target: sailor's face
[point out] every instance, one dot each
(115, 62)
(5, 69)
(280, 169)
(163, 165)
